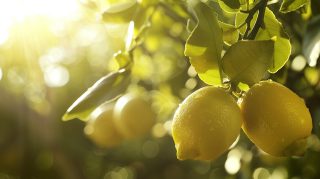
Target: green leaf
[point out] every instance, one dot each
(282, 47)
(105, 89)
(241, 18)
(248, 61)
(120, 12)
(229, 5)
(230, 33)
(243, 87)
(204, 45)
(311, 41)
(123, 59)
(292, 5)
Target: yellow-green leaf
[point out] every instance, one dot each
(230, 33)
(248, 61)
(204, 45)
(240, 20)
(120, 12)
(229, 5)
(292, 5)
(105, 89)
(282, 47)
(311, 41)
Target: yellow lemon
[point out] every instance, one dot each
(101, 128)
(133, 115)
(275, 118)
(205, 124)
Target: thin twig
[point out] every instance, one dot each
(260, 8)
(259, 22)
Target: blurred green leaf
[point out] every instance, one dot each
(120, 12)
(312, 75)
(229, 5)
(105, 89)
(292, 5)
(230, 33)
(311, 41)
(282, 47)
(204, 45)
(248, 61)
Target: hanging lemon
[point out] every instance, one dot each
(205, 124)
(275, 118)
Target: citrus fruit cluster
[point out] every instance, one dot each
(209, 120)
(130, 117)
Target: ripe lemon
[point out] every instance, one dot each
(133, 115)
(275, 117)
(205, 124)
(101, 128)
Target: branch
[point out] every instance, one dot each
(259, 22)
(260, 7)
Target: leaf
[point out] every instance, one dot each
(204, 45)
(292, 5)
(311, 41)
(248, 61)
(105, 89)
(241, 18)
(120, 12)
(230, 33)
(123, 59)
(282, 47)
(229, 5)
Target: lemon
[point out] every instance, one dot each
(205, 124)
(101, 128)
(275, 118)
(133, 115)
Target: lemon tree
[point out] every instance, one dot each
(229, 48)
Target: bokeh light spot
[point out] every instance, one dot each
(158, 130)
(192, 71)
(56, 76)
(232, 164)
(279, 173)
(150, 149)
(261, 173)
(191, 83)
(298, 63)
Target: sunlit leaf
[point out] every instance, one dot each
(120, 12)
(230, 33)
(204, 45)
(229, 5)
(240, 20)
(243, 86)
(292, 5)
(123, 59)
(282, 47)
(311, 42)
(248, 61)
(105, 89)
(306, 12)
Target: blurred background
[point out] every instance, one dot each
(52, 51)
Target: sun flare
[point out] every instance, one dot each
(17, 11)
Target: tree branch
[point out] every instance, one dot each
(260, 8)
